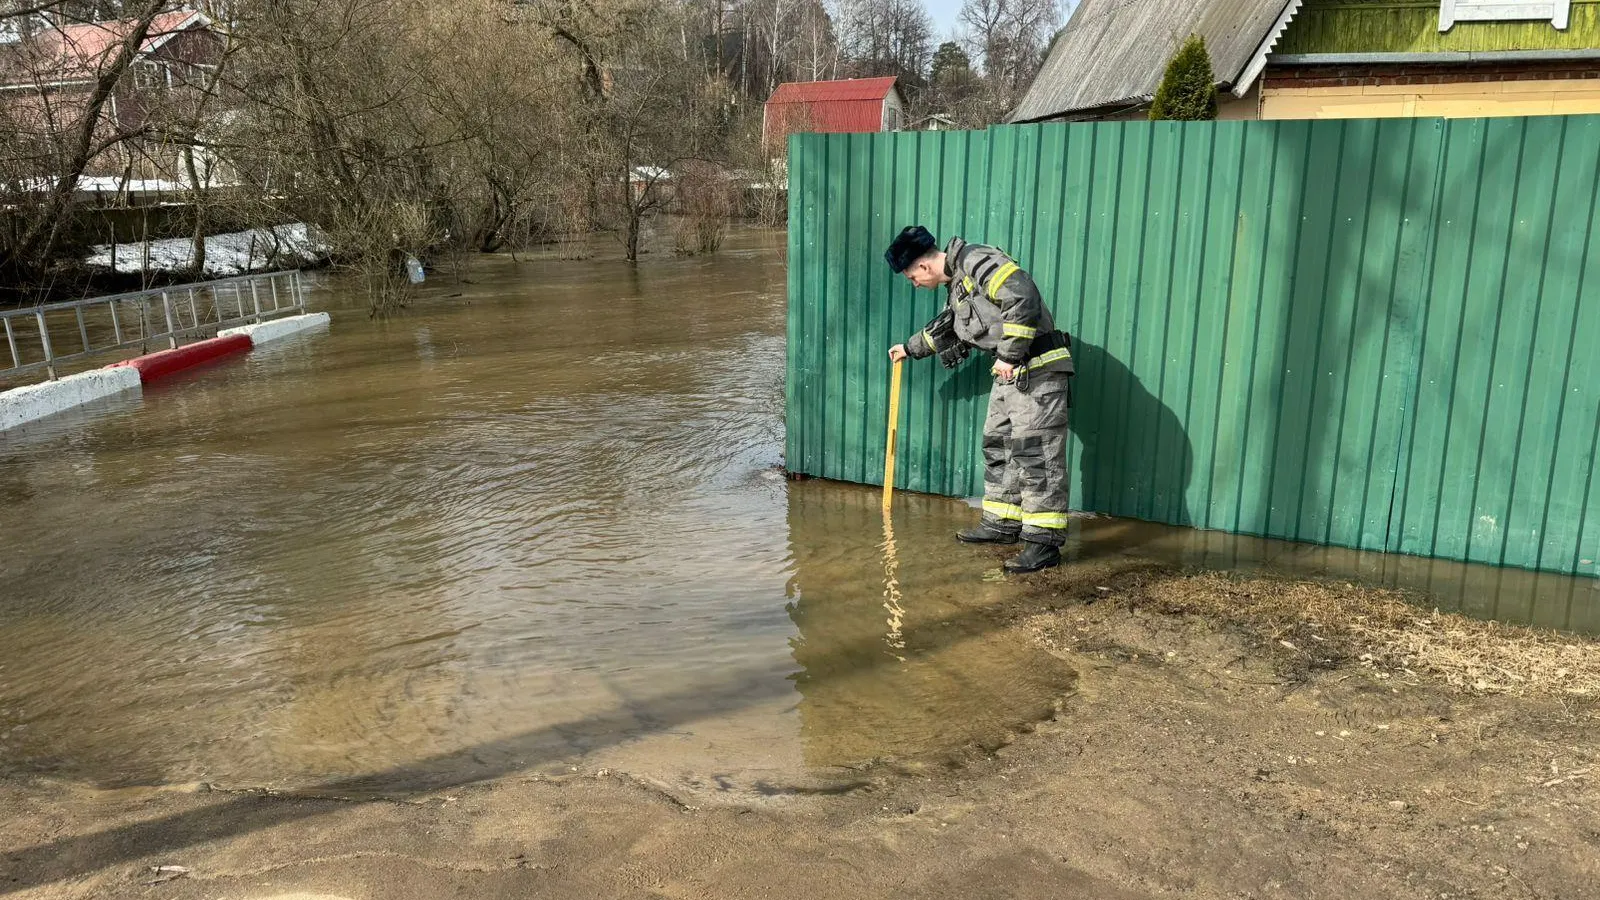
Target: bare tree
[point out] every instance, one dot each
(886, 37)
(984, 21)
(54, 136)
(429, 130)
(819, 49)
(183, 127)
(656, 108)
(779, 18)
(1010, 37)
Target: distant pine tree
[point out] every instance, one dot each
(1188, 91)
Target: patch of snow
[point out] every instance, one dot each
(234, 253)
(111, 184)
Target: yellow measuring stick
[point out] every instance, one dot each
(891, 564)
(894, 427)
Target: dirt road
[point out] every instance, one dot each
(1203, 755)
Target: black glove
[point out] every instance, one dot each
(942, 337)
(953, 355)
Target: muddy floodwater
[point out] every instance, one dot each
(536, 520)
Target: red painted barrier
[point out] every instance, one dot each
(156, 365)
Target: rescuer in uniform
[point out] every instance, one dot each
(993, 305)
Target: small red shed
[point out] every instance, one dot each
(850, 105)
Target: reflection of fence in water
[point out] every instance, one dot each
(895, 638)
(1520, 596)
(897, 650)
(36, 336)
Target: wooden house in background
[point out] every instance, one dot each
(48, 72)
(1308, 59)
(852, 105)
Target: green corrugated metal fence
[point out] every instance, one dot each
(1381, 334)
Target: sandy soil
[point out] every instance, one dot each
(1204, 755)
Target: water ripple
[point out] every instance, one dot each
(404, 538)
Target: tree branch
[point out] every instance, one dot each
(40, 236)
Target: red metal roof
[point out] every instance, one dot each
(828, 118)
(848, 89)
(854, 105)
(78, 51)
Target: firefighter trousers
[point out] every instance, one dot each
(1025, 458)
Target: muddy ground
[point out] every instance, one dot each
(1203, 755)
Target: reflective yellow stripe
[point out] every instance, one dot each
(1046, 358)
(1004, 511)
(1006, 271)
(1021, 331)
(968, 283)
(927, 340)
(1045, 520)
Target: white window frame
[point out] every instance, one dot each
(149, 75)
(1453, 11)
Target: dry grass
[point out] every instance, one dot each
(1380, 628)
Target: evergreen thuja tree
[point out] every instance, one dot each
(1188, 90)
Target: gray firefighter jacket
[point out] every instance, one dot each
(994, 306)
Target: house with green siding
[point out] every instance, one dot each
(1309, 59)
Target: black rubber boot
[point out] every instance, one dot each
(983, 534)
(1033, 558)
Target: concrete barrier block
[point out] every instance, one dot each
(165, 362)
(262, 332)
(35, 401)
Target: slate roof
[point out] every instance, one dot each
(1113, 52)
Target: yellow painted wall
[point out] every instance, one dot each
(1451, 101)
(1246, 107)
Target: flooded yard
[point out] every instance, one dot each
(528, 548)
(536, 520)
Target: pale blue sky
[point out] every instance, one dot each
(944, 13)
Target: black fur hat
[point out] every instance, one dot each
(913, 243)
